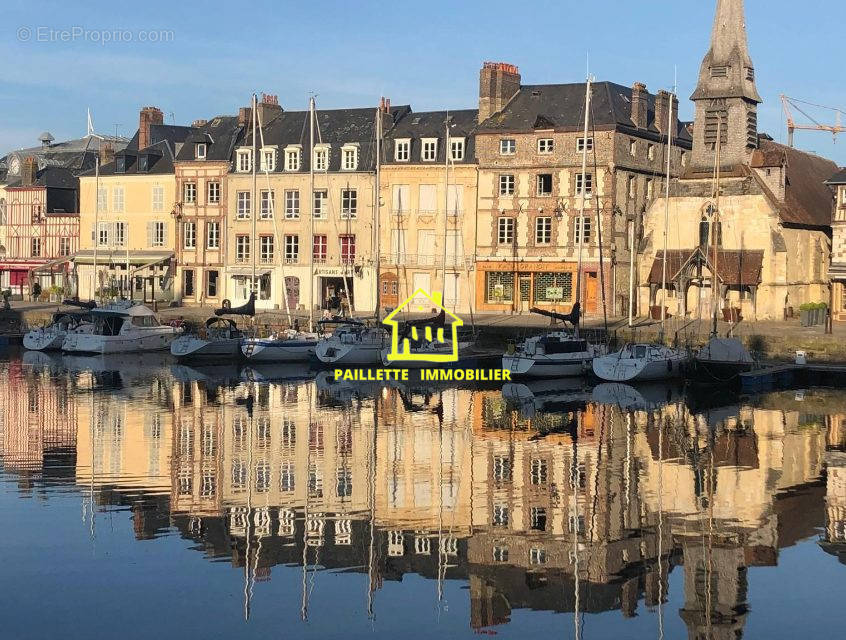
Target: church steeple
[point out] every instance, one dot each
(726, 97)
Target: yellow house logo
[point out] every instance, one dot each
(406, 353)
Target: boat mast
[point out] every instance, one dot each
(580, 224)
(714, 226)
(96, 221)
(377, 231)
(670, 99)
(253, 196)
(311, 220)
(446, 202)
(631, 270)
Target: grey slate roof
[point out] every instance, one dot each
(165, 140)
(335, 127)
(561, 106)
(431, 124)
(838, 178)
(219, 134)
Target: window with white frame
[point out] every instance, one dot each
(318, 249)
(505, 230)
(402, 149)
(539, 471)
(35, 247)
(213, 235)
(584, 184)
(213, 192)
(242, 248)
(507, 147)
(244, 160)
(544, 184)
(292, 204)
(349, 203)
(401, 198)
(545, 146)
(456, 149)
(265, 249)
(159, 233)
(321, 158)
(429, 149)
(292, 157)
(117, 199)
(189, 235)
(244, 205)
(506, 185)
(64, 246)
(500, 515)
(537, 555)
(200, 151)
(543, 230)
(582, 229)
(292, 248)
(103, 198)
(103, 234)
(633, 147)
(584, 144)
(189, 193)
(349, 157)
(268, 159)
(321, 203)
(120, 234)
(158, 197)
(268, 204)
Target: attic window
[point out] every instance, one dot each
(402, 149)
(120, 164)
(268, 159)
(429, 151)
(349, 153)
(244, 160)
(292, 157)
(456, 149)
(720, 71)
(415, 121)
(750, 74)
(535, 93)
(143, 163)
(200, 151)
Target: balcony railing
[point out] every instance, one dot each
(424, 260)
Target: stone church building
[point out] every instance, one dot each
(762, 238)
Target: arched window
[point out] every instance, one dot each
(703, 232)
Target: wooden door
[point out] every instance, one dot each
(591, 290)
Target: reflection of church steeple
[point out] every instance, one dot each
(726, 98)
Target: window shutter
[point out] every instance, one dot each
(150, 232)
(93, 233)
(164, 234)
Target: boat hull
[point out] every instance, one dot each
(545, 367)
(40, 340)
(612, 368)
(152, 341)
(359, 353)
(279, 350)
(193, 348)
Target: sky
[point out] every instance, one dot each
(199, 60)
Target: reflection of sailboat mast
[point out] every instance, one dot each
(371, 573)
(660, 527)
(574, 480)
(247, 588)
(304, 603)
(91, 483)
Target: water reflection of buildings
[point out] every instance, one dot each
(587, 509)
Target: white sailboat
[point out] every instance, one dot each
(558, 354)
(51, 337)
(222, 340)
(121, 328)
(639, 362)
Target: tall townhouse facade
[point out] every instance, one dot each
(201, 169)
(328, 230)
(428, 187)
(127, 216)
(837, 270)
(530, 144)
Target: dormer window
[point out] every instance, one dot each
(349, 157)
(293, 154)
(244, 160)
(120, 164)
(720, 71)
(321, 158)
(144, 163)
(456, 149)
(268, 159)
(402, 149)
(750, 74)
(200, 151)
(429, 149)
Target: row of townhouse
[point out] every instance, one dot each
(480, 204)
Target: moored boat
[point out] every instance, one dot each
(353, 343)
(222, 340)
(52, 336)
(290, 346)
(640, 362)
(720, 362)
(122, 328)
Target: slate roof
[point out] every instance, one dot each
(807, 200)
(165, 140)
(220, 135)
(431, 124)
(561, 106)
(332, 126)
(837, 178)
(734, 267)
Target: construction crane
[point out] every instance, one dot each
(787, 103)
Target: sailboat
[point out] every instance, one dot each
(222, 337)
(648, 361)
(51, 337)
(355, 343)
(557, 354)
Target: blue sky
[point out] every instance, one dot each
(349, 53)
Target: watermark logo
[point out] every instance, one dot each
(76, 33)
(407, 343)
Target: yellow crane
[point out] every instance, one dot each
(787, 103)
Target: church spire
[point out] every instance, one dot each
(726, 98)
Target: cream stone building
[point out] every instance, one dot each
(837, 271)
(428, 221)
(127, 222)
(761, 242)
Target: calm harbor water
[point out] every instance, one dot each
(142, 499)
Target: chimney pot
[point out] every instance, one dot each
(29, 171)
(639, 105)
(148, 116)
(107, 153)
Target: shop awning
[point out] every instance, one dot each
(48, 266)
(137, 259)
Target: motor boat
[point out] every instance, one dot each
(122, 328)
(353, 343)
(288, 346)
(52, 336)
(640, 362)
(554, 354)
(221, 340)
(720, 362)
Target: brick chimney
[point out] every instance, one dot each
(498, 83)
(385, 105)
(107, 153)
(268, 107)
(245, 116)
(199, 123)
(664, 101)
(29, 170)
(639, 105)
(148, 116)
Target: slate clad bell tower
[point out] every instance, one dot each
(725, 97)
